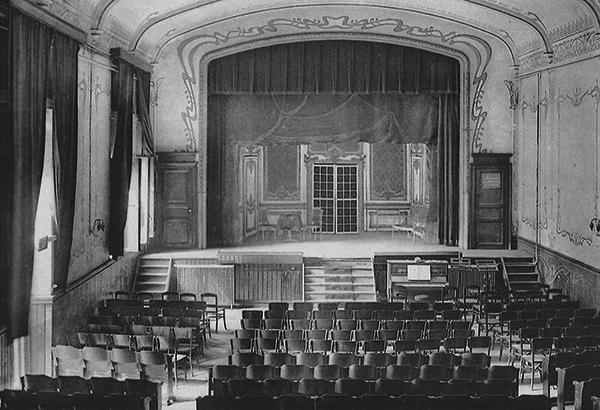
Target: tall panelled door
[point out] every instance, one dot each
(490, 210)
(177, 201)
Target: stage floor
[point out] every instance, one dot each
(348, 246)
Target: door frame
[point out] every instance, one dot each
(176, 160)
(359, 163)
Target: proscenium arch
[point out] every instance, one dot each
(271, 26)
(202, 112)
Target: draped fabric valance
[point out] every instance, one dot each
(334, 66)
(329, 118)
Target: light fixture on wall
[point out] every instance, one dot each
(595, 226)
(97, 226)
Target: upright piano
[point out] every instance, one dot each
(426, 277)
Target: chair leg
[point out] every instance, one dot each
(224, 321)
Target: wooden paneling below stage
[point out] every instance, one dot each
(218, 279)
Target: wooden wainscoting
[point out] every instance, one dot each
(197, 279)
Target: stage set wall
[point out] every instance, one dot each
(557, 173)
(485, 116)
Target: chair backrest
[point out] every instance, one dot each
(170, 295)
(317, 216)
(263, 216)
(39, 382)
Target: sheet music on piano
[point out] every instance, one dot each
(418, 272)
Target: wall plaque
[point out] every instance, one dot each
(491, 180)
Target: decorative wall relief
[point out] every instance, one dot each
(388, 172)
(513, 94)
(250, 193)
(281, 173)
(577, 103)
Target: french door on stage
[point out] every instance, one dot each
(335, 191)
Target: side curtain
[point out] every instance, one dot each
(447, 159)
(120, 156)
(63, 80)
(142, 95)
(23, 157)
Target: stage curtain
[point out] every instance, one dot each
(142, 95)
(329, 118)
(334, 66)
(63, 80)
(121, 156)
(23, 159)
(445, 172)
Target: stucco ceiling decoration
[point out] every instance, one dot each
(525, 26)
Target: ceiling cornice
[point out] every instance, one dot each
(529, 18)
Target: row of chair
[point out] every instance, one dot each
(47, 400)
(120, 364)
(310, 330)
(363, 372)
(317, 326)
(404, 341)
(111, 336)
(375, 401)
(172, 300)
(167, 295)
(428, 312)
(310, 306)
(102, 386)
(356, 387)
(351, 324)
(244, 359)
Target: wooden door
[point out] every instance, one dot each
(177, 216)
(490, 212)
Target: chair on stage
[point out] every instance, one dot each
(264, 226)
(314, 225)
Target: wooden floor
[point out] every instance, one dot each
(349, 246)
(362, 245)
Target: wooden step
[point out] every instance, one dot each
(153, 275)
(338, 279)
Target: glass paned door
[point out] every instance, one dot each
(335, 191)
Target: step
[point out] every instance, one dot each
(523, 278)
(345, 287)
(520, 268)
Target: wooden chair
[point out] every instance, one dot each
(264, 225)
(314, 226)
(214, 311)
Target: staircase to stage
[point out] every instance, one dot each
(342, 280)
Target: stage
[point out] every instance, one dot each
(338, 246)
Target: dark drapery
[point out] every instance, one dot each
(334, 66)
(447, 157)
(62, 75)
(142, 95)
(329, 118)
(23, 159)
(121, 156)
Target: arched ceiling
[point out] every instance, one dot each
(523, 26)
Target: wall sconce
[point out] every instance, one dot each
(595, 226)
(97, 226)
